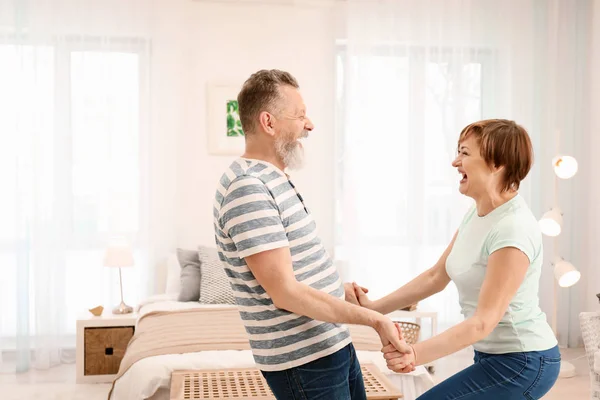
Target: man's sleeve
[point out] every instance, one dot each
(250, 217)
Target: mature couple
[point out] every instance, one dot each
(290, 296)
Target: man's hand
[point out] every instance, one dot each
(397, 361)
(361, 295)
(351, 294)
(390, 336)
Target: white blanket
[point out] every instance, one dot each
(153, 374)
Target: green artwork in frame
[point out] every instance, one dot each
(224, 128)
(234, 125)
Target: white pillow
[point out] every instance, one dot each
(173, 285)
(214, 284)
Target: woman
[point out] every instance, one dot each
(495, 260)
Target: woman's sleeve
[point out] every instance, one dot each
(510, 232)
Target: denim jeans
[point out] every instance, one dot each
(334, 377)
(529, 375)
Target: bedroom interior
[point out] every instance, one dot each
(118, 121)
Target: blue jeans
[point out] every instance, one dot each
(528, 375)
(334, 377)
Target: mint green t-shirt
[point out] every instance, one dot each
(523, 326)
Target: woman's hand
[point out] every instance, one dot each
(361, 295)
(397, 361)
(350, 294)
(400, 362)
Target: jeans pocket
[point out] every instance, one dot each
(332, 370)
(339, 360)
(504, 367)
(551, 360)
(324, 384)
(545, 379)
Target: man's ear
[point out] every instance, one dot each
(267, 122)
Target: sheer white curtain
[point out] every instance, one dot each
(74, 167)
(411, 75)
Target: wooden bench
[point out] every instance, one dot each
(249, 384)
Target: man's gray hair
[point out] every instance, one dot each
(261, 93)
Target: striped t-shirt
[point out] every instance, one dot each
(257, 208)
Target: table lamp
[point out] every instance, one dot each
(118, 254)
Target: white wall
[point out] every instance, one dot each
(224, 44)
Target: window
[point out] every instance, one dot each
(105, 132)
(72, 161)
(399, 115)
(404, 115)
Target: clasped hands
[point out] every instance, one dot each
(400, 356)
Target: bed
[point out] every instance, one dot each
(144, 376)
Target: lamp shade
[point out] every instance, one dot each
(118, 254)
(564, 166)
(551, 222)
(565, 273)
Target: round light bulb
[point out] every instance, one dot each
(566, 274)
(565, 166)
(551, 222)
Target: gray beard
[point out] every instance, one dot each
(291, 153)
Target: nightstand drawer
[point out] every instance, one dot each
(105, 348)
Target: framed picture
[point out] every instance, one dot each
(224, 130)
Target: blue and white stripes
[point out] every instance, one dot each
(257, 209)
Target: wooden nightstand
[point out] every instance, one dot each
(101, 344)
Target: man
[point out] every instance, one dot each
(289, 293)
